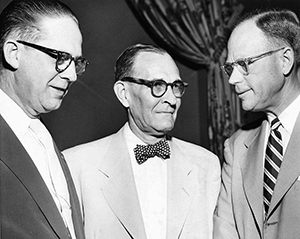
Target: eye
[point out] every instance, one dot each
(228, 68)
(159, 84)
(63, 57)
(242, 64)
(178, 84)
(79, 60)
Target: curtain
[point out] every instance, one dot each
(196, 31)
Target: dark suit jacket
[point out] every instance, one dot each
(27, 210)
(240, 205)
(104, 178)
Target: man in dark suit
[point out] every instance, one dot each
(260, 196)
(40, 46)
(127, 193)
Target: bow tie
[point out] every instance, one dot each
(160, 149)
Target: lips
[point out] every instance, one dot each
(167, 112)
(241, 92)
(61, 90)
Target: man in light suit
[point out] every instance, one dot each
(170, 195)
(40, 46)
(260, 196)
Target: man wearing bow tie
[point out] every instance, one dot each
(140, 182)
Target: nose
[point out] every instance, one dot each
(235, 77)
(169, 96)
(70, 73)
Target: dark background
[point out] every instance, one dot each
(91, 110)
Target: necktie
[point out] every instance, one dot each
(160, 149)
(273, 159)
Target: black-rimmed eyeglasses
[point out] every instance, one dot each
(63, 59)
(159, 87)
(243, 63)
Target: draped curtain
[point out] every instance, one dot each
(196, 31)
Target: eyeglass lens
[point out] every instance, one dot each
(64, 60)
(159, 87)
(241, 65)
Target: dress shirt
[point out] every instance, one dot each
(54, 179)
(287, 118)
(151, 183)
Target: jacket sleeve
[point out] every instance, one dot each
(224, 222)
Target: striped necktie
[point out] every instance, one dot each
(273, 159)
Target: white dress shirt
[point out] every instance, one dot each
(288, 119)
(151, 183)
(46, 161)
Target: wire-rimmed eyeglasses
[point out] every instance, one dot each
(243, 63)
(159, 87)
(63, 59)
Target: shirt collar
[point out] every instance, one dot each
(16, 118)
(131, 138)
(289, 116)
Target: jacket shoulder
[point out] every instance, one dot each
(192, 148)
(88, 153)
(196, 153)
(248, 128)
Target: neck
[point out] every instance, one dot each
(146, 137)
(290, 92)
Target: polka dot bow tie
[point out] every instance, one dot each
(160, 149)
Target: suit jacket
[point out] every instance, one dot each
(104, 179)
(240, 206)
(27, 209)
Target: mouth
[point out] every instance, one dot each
(241, 93)
(61, 90)
(167, 113)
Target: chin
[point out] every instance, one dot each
(52, 107)
(166, 129)
(247, 106)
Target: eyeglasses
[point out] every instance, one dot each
(159, 87)
(63, 59)
(243, 63)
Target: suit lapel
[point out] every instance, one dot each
(12, 153)
(120, 190)
(181, 190)
(290, 168)
(252, 172)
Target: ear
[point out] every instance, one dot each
(121, 92)
(288, 61)
(10, 54)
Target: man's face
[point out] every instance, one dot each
(260, 90)
(149, 115)
(38, 87)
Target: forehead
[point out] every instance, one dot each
(62, 33)
(246, 40)
(150, 65)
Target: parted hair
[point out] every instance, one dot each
(21, 19)
(125, 61)
(280, 26)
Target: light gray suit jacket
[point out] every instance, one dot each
(240, 206)
(104, 179)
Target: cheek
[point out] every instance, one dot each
(139, 106)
